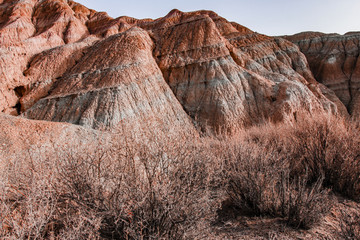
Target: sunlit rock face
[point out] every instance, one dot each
(116, 81)
(227, 76)
(62, 62)
(333, 60)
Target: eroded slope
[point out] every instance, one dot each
(66, 63)
(334, 61)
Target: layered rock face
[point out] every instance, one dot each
(65, 63)
(29, 27)
(334, 61)
(227, 76)
(80, 80)
(124, 85)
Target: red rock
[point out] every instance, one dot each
(227, 76)
(334, 61)
(64, 62)
(30, 27)
(117, 81)
(56, 61)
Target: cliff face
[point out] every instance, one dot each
(334, 61)
(62, 62)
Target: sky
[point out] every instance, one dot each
(271, 17)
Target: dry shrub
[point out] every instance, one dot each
(35, 207)
(129, 192)
(283, 170)
(166, 189)
(259, 183)
(317, 146)
(349, 225)
(163, 193)
(330, 147)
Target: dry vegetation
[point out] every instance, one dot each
(293, 172)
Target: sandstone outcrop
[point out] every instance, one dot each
(62, 62)
(334, 61)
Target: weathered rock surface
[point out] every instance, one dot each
(60, 61)
(117, 81)
(29, 27)
(22, 139)
(334, 61)
(227, 76)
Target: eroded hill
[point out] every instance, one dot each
(63, 62)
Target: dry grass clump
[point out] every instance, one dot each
(316, 146)
(329, 147)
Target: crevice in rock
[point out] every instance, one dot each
(29, 64)
(34, 21)
(18, 108)
(349, 107)
(349, 85)
(54, 85)
(167, 72)
(234, 57)
(344, 62)
(20, 91)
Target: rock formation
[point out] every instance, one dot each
(334, 61)
(227, 76)
(123, 85)
(63, 62)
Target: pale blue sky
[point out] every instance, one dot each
(271, 17)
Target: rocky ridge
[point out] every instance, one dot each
(334, 61)
(184, 69)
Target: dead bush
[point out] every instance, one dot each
(166, 189)
(259, 183)
(129, 192)
(317, 145)
(329, 147)
(349, 225)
